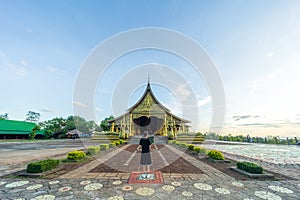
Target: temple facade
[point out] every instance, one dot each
(148, 114)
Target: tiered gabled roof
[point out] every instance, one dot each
(150, 92)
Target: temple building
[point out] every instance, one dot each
(148, 114)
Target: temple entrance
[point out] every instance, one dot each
(151, 124)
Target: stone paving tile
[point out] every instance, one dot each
(212, 185)
(187, 189)
(86, 168)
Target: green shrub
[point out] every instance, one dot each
(76, 155)
(182, 145)
(121, 141)
(250, 167)
(41, 166)
(216, 155)
(191, 147)
(122, 135)
(93, 149)
(104, 146)
(117, 143)
(111, 145)
(200, 150)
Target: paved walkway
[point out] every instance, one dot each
(83, 184)
(14, 156)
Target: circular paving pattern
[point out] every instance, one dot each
(238, 184)
(44, 197)
(116, 198)
(93, 186)
(187, 194)
(65, 189)
(53, 182)
(175, 183)
(85, 182)
(33, 187)
(118, 182)
(168, 187)
(202, 186)
(20, 199)
(280, 189)
(222, 191)
(16, 184)
(144, 191)
(267, 195)
(127, 188)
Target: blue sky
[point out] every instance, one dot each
(255, 46)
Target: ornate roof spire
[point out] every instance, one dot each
(148, 85)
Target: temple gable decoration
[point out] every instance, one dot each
(148, 114)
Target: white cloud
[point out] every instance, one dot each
(23, 62)
(80, 104)
(55, 70)
(204, 101)
(182, 90)
(51, 69)
(47, 110)
(20, 71)
(270, 54)
(98, 109)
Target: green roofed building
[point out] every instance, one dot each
(11, 129)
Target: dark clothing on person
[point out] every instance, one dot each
(145, 155)
(145, 143)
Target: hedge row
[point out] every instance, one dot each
(250, 167)
(41, 166)
(190, 147)
(76, 155)
(102, 147)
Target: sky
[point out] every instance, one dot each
(255, 46)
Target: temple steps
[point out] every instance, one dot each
(104, 138)
(157, 139)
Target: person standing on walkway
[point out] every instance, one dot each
(145, 146)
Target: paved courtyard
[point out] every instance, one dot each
(14, 156)
(86, 183)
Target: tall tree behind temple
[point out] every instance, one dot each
(104, 123)
(33, 116)
(4, 116)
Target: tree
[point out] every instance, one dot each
(4, 116)
(81, 124)
(33, 116)
(33, 132)
(54, 125)
(104, 123)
